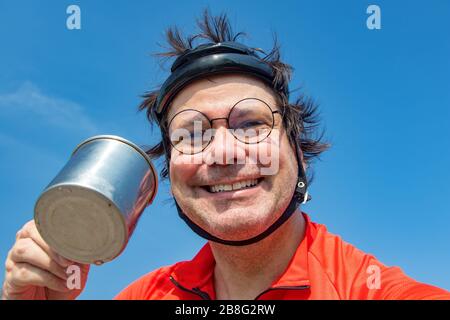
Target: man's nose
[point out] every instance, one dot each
(223, 149)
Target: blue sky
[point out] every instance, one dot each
(384, 96)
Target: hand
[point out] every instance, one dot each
(35, 272)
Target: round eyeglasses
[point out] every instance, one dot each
(250, 121)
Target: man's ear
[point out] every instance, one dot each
(304, 164)
(302, 159)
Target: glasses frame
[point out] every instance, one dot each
(228, 124)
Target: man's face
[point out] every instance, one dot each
(245, 211)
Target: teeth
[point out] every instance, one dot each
(234, 186)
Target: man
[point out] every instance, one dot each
(236, 152)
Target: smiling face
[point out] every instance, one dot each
(230, 199)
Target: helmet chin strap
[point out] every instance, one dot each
(299, 196)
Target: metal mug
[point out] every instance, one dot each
(89, 210)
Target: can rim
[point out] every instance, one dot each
(36, 217)
(134, 146)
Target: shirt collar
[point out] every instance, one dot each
(198, 272)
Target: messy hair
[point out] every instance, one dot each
(300, 118)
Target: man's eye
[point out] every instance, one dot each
(250, 124)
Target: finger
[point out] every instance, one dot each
(24, 275)
(27, 251)
(9, 264)
(30, 231)
(64, 262)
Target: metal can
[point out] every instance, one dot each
(89, 210)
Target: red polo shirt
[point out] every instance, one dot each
(323, 267)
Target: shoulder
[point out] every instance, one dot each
(164, 283)
(153, 285)
(332, 251)
(355, 274)
(345, 267)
